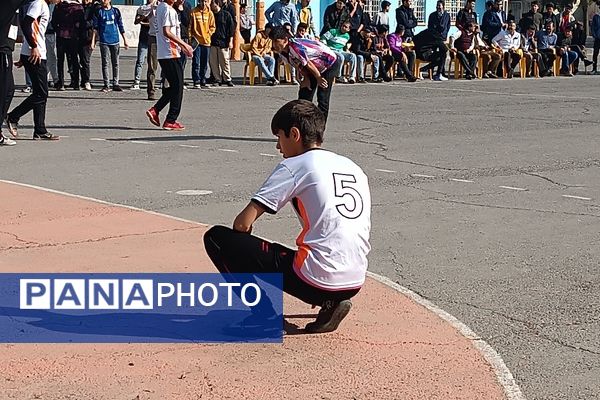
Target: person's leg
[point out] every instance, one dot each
(84, 62)
(7, 84)
(308, 93)
(225, 65)
(214, 63)
(411, 57)
(573, 57)
(595, 54)
(494, 62)
(27, 104)
(142, 53)
(350, 58)
(472, 61)
(60, 62)
(507, 62)
(270, 64)
(114, 59)
(360, 65)
(75, 67)
(196, 65)
(152, 67)
(204, 56)
(51, 56)
(324, 94)
(39, 85)
(462, 58)
(174, 75)
(166, 95)
(340, 64)
(105, 56)
(260, 61)
(376, 64)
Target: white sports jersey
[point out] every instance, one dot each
(166, 16)
(38, 10)
(331, 196)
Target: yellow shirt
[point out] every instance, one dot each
(261, 44)
(202, 25)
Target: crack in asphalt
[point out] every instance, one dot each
(18, 239)
(44, 245)
(549, 180)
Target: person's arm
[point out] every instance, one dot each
(446, 26)
(314, 71)
(459, 19)
(326, 37)
(294, 19)
(231, 30)
(27, 28)
(431, 21)
(269, 12)
(245, 219)
(413, 19)
(212, 25)
(496, 39)
(121, 27)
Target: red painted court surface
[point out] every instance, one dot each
(389, 347)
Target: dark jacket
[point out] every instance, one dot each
(530, 18)
(184, 19)
(551, 18)
(87, 29)
(225, 30)
(464, 17)
(8, 18)
(491, 24)
(332, 18)
(439, 23)
(360, 46)
(428, 41)
(406, 16)
(68, 20)
(357, 19)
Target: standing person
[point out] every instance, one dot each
(67, 20)
(532, 17)
(383, 17)
(405, 16)
(141, 19)
(184, 10)
(305, 16)
(202, 27)
(430, 47)
(316, 63)
(169, 45)
(595, 31)
(34, 17)
(466, 15)
(282, 12)
(334, 15)
(331, 197)
(439, 20)
(8, 36)
(550, 16)
(108, 23)
(85, 42)
(150, 9)
(51, 47)
(221, 44)
(246, 24)
(494, 20)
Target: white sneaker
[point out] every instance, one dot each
(87, 86)
(136, 86)
(440, 78)
(4, 141)
(26, 90)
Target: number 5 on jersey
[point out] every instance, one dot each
(350, 203)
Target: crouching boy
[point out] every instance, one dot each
(331, 197)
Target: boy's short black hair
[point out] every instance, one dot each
(302, 25)
(279, 32)
(303, 115)
(385, 4)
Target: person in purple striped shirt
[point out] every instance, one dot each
(317, 65)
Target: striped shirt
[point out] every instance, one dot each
(301, 51)
(335, 39)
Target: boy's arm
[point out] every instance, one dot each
(121, 27)
(243, 222)
(311, 69)
(186, 48)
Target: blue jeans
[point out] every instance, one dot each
(266, 64)
(142, 52)
(361, 66)
(346, 57)
(568, 58)
(110, 54)
(200, 64)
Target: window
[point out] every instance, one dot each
(453, 7)
(372, 7)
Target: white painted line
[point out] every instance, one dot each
(389, 171)
(461, 180)
(576, 197)
(503, 374)
(422, 176)
(229, 150)
(512, 188)
(193, 192)
(64, 136)
(268, 155)
(98, 139)
(189, 146)
(140, 142)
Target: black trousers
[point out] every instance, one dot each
(435, 59)
(323, 95)
(36, 101)
(236, 252)
(246, 35)
(468, 61)
(404, 68)
(548, 58)
(7, 83)
(70, 49)
(85, 52)
(595, 54)
(172, 94)
(511, 59)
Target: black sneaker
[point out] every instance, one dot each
(117, 88)
(45, 136)
(229, 83)
(330, 316)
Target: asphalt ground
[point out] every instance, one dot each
(486, 194)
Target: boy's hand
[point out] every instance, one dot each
(187, 50)
(19, 64)
(322, 82)
(35, 57)
(125, 44)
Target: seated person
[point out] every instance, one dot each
(337, 40)
(330, 265)
(381, 49)
(302, 31)
(463, 43)
(567, 55)
(405, 58)
(430, 47)
(578, 44)
(546, 44)
(489, 57)
(360, 45)
(509, 41)
(529, 48)
(261, 55)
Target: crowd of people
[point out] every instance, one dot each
(349, 41)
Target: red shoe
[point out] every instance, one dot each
(153, 116)
(173, 126)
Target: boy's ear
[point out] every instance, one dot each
(295, 134)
